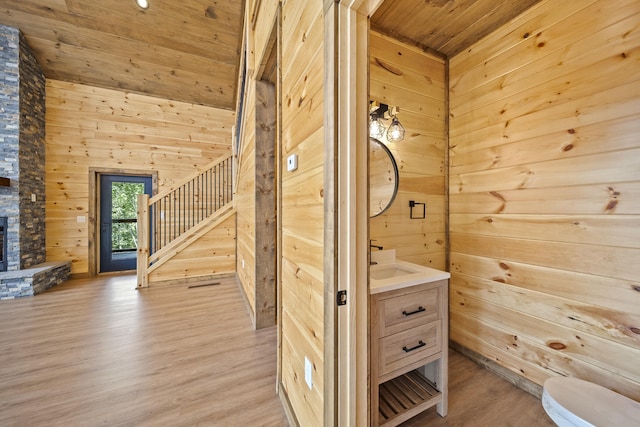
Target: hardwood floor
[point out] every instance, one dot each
(480, 398)
(98, 352)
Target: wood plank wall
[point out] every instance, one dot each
(245, 201)
(406, 77)
(545, 194)
(212, 253)
(262, 22)
(302, 209)
(90, 127)
(256, 204)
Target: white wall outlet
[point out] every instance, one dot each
(81, 218)
(33, 197)
(292, 162)
(242, 262)
(308, 369)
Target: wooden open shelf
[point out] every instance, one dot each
(404, 397)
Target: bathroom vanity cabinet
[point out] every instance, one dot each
(409, 342)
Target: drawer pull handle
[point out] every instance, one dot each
(420, 344)
(419, 310)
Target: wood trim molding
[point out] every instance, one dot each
(278, 169)
(447, 226)
(508, 375)
(330, 255)
(254, 11)
(288, 409)
(349, 161)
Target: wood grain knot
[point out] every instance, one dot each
(210, 13)
(557, 345)
(390, 68)
(571, 131)
(634, 330)
(611, 205)
(497, 195)
(525, 36)
(504, 266)
(567, 147)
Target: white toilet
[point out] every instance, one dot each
(577, 403)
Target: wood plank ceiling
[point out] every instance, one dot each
(189, 50)
(179, 50)
(445, 26)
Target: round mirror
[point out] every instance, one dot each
(383, 178)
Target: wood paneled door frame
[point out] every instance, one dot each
(346, 210)
(94, 205)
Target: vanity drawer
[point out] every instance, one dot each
(408, 310)
(404, 348)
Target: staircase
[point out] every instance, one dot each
(169, 222)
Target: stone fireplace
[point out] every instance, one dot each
(22, 159)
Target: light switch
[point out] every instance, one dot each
(81, 218)
(33, 197)
(308, 369)
(292, 162)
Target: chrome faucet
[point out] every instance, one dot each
(371, 245)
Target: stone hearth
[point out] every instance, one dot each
(32, 281)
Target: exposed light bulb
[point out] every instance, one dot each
(143, 4)
(396, 130)
(376, 128)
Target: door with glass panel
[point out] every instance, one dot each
(118, 220)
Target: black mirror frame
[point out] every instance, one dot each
(396, 177)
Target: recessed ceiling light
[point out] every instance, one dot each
(143, 4)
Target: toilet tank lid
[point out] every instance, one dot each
(591, 402)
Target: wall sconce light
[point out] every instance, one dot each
(376, 113)
(396, 130)
(377, 129)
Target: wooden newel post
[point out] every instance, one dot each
(143, 240)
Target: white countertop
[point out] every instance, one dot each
(390, 274)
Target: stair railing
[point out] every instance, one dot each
(165, 217)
